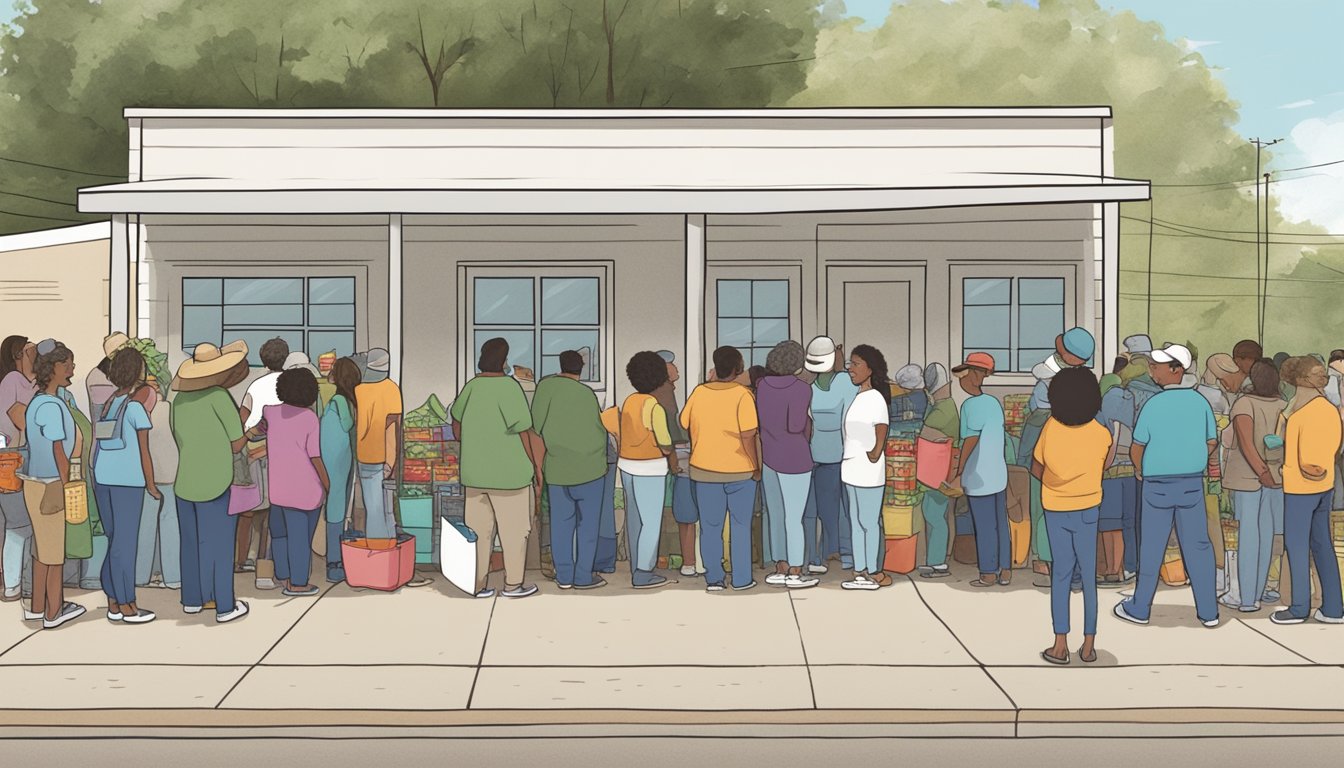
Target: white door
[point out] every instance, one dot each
(879, 305)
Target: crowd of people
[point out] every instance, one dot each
(186, 483)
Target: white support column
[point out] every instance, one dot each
(693, 372)
(139, 325)
(1110, 257)
(119, 284)
(394, 319)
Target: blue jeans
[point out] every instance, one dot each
(989, 519)
(643, 523)
(934, 510)
(1306, 537)
(717, 502)
(159, 540)
(120, 507)
(683, 502)
(1180, 500)
(1073, 542)
(786, 499)
(208, 534)
(1255, 539)
(575, 519)
(1120, 498)
(605, 561)
(16, 560)
(828, 503)
(865, 521)
(379, 521)
(334, 531)
(292, 533)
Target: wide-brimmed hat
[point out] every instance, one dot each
(114, 342)
(208, 363)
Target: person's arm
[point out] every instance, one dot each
(663, 436)
(391, 440)
(458, 411)
(1037, 469)
(1136, 456)
(232, 421)
(749, 427)
(147, 465)
(62, 461)
(313, 444)
(345, 416)
(1115, 445)
(1142, 434)
(16, 414)
(880, 447)
(1309, 469)
(750, 446)
(1243, 426)
(536, 452)
(967, 448)
(322, 473)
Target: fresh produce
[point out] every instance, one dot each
(156, 362)
(431, 414)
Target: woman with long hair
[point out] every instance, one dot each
(16, 389)
(338, 454)
(864, 467)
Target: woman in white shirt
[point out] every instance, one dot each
(863, 469)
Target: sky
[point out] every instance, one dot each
(1281, 59)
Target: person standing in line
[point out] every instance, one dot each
(567, 416)
(1069, 458)
(377, 439)
(646, 459)
(17, 360)
(97, 384)
(1245, 354)
(1119, 486)
(159, 536)
(944, 421)
(1253, 473)
(1222, 382)
(123, 474)
(50, 432)
(683, 504)
(298, 479)
(1311, 440)
(982, 470)
(208, 430)
(502, 459)
(254, 528)
(1173, 439)
(832, 393)
(782, 402)
(721, 419)
(338, 456)
(864, 467)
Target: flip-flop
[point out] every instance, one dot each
(1088, 660)
(984, 584)
(1054, 659)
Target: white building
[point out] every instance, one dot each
(925, 232)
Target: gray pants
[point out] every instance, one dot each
(17, 560)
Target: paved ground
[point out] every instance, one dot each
(921, 658)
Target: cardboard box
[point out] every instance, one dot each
(900, 521)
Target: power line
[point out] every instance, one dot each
(1248, 231)
(1175, 228)
(47, 218)
(1322, 280)
(59, 168)
(35, 197)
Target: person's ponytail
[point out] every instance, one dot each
(878, 365)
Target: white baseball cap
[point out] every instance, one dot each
(1173, 353)
(820, 355)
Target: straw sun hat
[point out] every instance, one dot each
(208, 364)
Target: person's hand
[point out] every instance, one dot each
(153, 491)
(875, 455)
(1313, 472)
(756, 474)
(389, 470)
(1266, 479)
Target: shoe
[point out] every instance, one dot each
(1123, 614)
(1211, 623)
(1249, 608)
(1055, 659)
(861, 582)
(752, 585)
(1270, 596)
(192, 610)
(32, 615)
(776, 579)
(817, 570)
(141, 616)
(485, 593)
(69, 612)
(936, 573)
(1229, 602)
(882, 579)
(335, 575)
(240, 610)
(177, 585)
(1129, 576)
(600, 583)
(654, 581)
(1112, 582)
(982, 584)
(115, 617)
(801, 582)
(419, 581)
(10, 595)
(716, 587)
(1285, 617)
(307, 591)
(688, 571)
(520, 591)
(565, 586)
(248, 567)
(266, 584)
(1321, 617)
(1076, 587)
(1087, 659)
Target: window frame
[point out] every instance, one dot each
(790, 273)
(1013, 271)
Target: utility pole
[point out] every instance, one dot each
(1264, 297)
(1260, 303)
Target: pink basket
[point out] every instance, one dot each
(373, 564)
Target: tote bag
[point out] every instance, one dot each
(244, 493)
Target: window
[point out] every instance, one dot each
(314, 315)
(1015, 319)
(540, 317)
(753, 315)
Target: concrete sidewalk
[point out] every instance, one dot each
(922, 657)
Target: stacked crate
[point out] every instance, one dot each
(1015, 413)
(901, 519)
(430, 463)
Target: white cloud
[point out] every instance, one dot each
(1318, 197)
(1297, 104)
(1194, 45)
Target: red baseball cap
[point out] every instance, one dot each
(982, 360)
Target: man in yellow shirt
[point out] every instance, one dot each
(376, 423)
(721, 418)
(1311, 441)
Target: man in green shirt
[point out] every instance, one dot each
(945, 422)
(566, 414)
(501, 467)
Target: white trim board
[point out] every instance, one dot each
(628, 114)
(79, 233)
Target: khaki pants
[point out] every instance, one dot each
(509, 513)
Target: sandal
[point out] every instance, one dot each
(984, 584)
(1055, 659)
(1087, 659)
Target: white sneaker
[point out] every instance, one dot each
(522, 590)
(32, 616)
(115, 617)
(12, 594)
(860, 582)
(688, 571)
(240, 610)
(777, 579)
(69, 612)
(801, 582)
(486, 593)
(142, 616)
(817, 570)
(1321, 617)
(1211, 623)
(192, 610)
(266, 584)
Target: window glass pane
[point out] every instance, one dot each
(202, 290)
(1030, 358)
(758, 356)
(569, 300)
(735, 332)
(1039, 325)
(264, 314)
(332, 314)
(521, 343)
(768, 333)
(983, 327)
(255, 338)
(979, 291)
(1040, 290)
(200, 325)
(583, 342)
(734, 298)
(770, 298)
(503, 300)
(267, 290)
(320, 342)
(331, 290)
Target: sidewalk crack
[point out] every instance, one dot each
(274, 645)
(1276, 642)
(480, 661)
(803, 645)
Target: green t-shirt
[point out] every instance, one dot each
(566, 414)
(204, 424)
(943, 418)
(493, 413)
